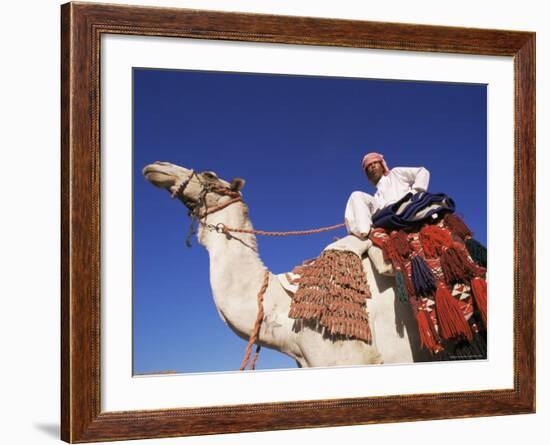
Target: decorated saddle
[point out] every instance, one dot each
(440, 270)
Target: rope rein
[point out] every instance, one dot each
(222, 228)
(200, 210)
(256, 330)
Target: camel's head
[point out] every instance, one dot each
(189, 186)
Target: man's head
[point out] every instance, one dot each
(375, 167)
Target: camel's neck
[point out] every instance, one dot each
(236, 270)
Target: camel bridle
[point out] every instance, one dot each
(198, 209)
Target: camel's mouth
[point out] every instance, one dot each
(151, 169)
(157, 175)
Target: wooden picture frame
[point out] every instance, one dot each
(82, 25)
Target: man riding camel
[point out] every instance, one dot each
(391, 186)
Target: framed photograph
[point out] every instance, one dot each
(274, 222)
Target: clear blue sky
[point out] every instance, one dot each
(298, 142)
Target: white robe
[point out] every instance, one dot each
(390, 188)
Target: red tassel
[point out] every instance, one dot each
(383, 242)
(456, 267)
(426, 331)
(479, 291)
(456, 225)
(400, 243)
(377, 235)
(433, 239)
(452, 323)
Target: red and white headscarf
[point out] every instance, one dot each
(375, 157)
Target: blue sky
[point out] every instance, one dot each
(298, 142)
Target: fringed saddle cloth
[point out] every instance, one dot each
(441, 272)
(333, 291)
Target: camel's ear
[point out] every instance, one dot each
(237, 184)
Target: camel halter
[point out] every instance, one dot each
(195, 209)
(200, 210)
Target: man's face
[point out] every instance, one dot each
(374, 171)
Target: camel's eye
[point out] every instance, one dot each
(210, 175)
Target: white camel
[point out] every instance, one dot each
(237, 273)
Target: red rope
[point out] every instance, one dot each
(256, 330)
(236, 197)
(295, 232)
(219, 207)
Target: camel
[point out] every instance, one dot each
(237, 273)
